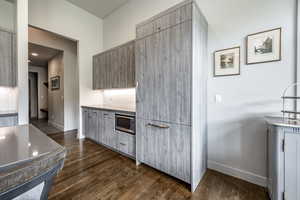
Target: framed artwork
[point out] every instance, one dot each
(264, 47)
(55, 83)
(227, 62)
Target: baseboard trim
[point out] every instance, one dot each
(58, 126)
(238, 173)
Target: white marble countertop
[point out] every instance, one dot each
(110, 107)
(279, 121)
(21, 144)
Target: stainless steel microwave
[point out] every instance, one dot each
(125, 123)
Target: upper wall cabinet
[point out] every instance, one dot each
(8, 70)
(115, 68)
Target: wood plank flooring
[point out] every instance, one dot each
(92, 171)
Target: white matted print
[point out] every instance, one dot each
(264, 47)
(227, 62)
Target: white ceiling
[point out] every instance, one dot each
(100, 8)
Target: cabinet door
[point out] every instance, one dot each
(7, 68)
(130, 70)
(164, 72)
(100, 127)
(109, 135)
(292, 166)
(165, 147)
(85, 121)
(93, 125)
(96, 72)
(108, 70)
(116, 73)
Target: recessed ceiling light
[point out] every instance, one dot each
(35, 54)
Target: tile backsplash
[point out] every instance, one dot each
(121, 97)
(8, 99)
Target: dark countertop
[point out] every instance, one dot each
(26, 152)
(279, 121)
(8, 113)
(113, 108)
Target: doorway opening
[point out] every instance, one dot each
(53, 82)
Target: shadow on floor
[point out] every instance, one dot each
(45, 127)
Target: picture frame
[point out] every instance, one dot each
(227, 62)
(264, 47)
(55, 83)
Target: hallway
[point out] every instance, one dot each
(44, 126)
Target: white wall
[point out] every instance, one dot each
(236, 128)
(70, 21)
(22, 55)
(56, 97)
(33, 93)
(120, 97)
(42, 89)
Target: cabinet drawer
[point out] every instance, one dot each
(165, 21)
(126, 143)
(107, 114)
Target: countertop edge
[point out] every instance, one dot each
(277, 121)
(109, 109)
(9, 114)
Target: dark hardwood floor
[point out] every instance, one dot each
(92, 171)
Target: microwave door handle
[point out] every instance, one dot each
(123, 117)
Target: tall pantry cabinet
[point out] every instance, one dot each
(171, 74)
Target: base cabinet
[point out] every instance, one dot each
(99, 126)
(109, 136)
(8, 121)
(126, 143)
(283, 163)
(90, 124)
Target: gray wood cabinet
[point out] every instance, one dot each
(90, 124)
(126, 143)
(8, 68)
(99, 126)
(6, 121)
(115, 68)
(164, 75)
(166, 147)
(109, 137)
(171, 72)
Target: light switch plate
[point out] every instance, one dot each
(218, 98)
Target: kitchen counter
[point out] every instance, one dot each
(279, 121)
(8, 113)
(26, 153)
(114, 108)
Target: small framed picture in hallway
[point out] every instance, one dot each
(55, 83)
(227, 62)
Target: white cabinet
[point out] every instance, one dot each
(283, 162)
(292, 166)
